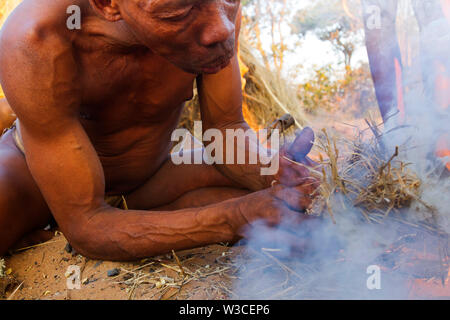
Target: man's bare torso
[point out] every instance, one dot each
(131, 104)
(131, 98)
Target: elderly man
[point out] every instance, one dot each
(96, 108)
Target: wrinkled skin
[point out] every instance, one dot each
(96, 110)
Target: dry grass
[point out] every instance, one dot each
(165, 280)
(361, 173)
(366, 175)
(2, 268)
(267, 95)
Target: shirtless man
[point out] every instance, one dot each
(96, 109)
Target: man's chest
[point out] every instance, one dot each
(131, 86)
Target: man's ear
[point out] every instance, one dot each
(108, 9)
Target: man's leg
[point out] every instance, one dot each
(204, 197)
(22, 207)
(183, 186)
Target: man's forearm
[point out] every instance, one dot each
(114, 234)
(247, 174)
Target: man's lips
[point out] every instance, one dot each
(217, 65)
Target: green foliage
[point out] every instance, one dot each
(319, 91)
(352, 93)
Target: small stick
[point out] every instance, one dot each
(315, 173)
(125, 205)
(390, 160)
(130, 296)
(37, 245)
(280, 294)
(271, 250)
(140, 267)
(183, 274)
(282, 265)
(14, 292)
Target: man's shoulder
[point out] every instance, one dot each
(33, 52)
(34, 25)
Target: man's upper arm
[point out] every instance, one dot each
(39, 77)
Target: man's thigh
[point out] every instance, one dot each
(22, 207)
(203, 197)
(172, 181)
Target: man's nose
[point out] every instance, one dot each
(218, 29)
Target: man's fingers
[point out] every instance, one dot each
(292, 174)
(298, 199)
(302, 145)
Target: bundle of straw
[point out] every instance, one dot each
(361, 173)
(367, 177)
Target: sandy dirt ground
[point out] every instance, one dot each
(41, 273)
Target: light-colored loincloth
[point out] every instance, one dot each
(114, 201)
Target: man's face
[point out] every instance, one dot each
(198, 36)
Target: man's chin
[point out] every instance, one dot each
(215, 69)
(208, 69)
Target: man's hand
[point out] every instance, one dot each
(287, 201)
(295, 189)
(273, 205)
(293, 174)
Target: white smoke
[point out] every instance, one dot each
(331, 261)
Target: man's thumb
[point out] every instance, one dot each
(302, 145)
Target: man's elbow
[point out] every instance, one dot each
(100, 241)
(92, 238)
(85, 242)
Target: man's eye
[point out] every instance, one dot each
(178, 17)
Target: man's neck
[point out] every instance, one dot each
(115, 33)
